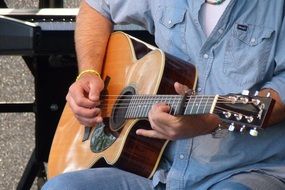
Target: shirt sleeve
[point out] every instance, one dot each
(126, 12)
(277, 81)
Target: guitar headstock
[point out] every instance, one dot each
(244, 112)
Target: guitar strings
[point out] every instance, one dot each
(199, 98)
(158, 97)
(163, 98)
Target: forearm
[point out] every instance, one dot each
(278, 111)
(91, 37)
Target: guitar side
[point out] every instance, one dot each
(124, 66)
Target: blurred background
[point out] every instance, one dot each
(17, 130)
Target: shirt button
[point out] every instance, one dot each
(181, 156)
(170, 21)
(253, 40)
(220, 31)
(199, 89)
(206, 56)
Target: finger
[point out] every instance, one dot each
(83, 111)
(159, 107)
(95, 87)
(159, 114)
(158, 128)
(89, 122)
(181, 89)
(77, 94)
(151, 134)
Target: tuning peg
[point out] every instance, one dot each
(256, 101)
(231, 127)
(261, 106)
(244, 100)
(238, 116)
(268, 94)
(249, 119)
(227, 114)
(242, 128)
(253, 132)
(245, 92)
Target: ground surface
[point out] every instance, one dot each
(17, 129)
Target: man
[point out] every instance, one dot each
(235, 45)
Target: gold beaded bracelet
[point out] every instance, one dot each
(88, 71)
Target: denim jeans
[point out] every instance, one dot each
(115, 179)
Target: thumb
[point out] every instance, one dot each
(181, 89)
(95, 90)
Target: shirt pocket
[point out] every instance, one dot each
(170, 30)
(247, 53)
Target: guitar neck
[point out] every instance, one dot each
(140, 105)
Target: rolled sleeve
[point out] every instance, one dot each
(278, 84)
(126, 12)
(101, 6)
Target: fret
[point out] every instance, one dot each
(145, 108)
(161, 99)
(206, 105)
(134, 113)
(137, 103)
(148, 105)
(179, 104)
(191, 104)
(209, 104)
(200, 105)
(195, 105)
(130, 108)
(139, 106)
(187, 105)
(171, 104)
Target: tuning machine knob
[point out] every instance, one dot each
(256, 102)
(253, 132)
(242, 128)
(231, 127)
(227, 114)
(245, 92)
(249, 119)
(238, 116)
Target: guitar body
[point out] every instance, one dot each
(130, 67)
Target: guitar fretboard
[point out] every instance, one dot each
(200, 105)
(140, 105)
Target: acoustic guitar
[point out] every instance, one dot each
(138, 75)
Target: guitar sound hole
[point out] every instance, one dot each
(120, 108)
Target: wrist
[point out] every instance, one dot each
(90, 71)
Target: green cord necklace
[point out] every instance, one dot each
(215, 2)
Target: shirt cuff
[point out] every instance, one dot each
(277, 84)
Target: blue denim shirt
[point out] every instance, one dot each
(246, 50)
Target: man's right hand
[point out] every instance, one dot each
(84, 99)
